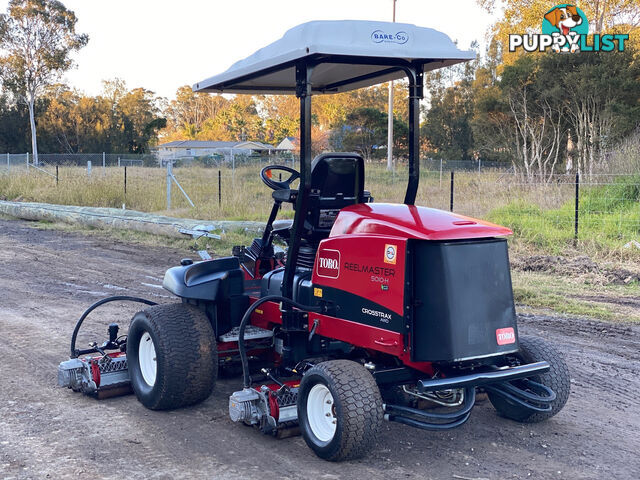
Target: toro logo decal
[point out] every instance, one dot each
(329, 264)
(505, 336)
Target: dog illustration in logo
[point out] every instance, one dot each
(564, 19)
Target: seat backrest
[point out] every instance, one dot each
(337, 181)
(338, 177)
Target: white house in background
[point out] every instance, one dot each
(190, 149)
(289, 144)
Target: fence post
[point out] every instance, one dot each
(440, 173)
(88, 168)
(575, 226)
(219, 188)
(233, 166)
(104, 163)
(479, 164)
(27, 161)
(451, 195)
(169, 185)
(57, 175)
(8, 162)
(125, 181)
(118, 161)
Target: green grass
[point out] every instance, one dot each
(609, 217)
(574, 296)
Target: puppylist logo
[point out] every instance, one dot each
(565, 28)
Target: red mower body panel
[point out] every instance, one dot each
(410, 221)
(365, 268)
(371, 268)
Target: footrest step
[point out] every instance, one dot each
(250, 333)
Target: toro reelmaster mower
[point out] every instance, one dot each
(375, 311)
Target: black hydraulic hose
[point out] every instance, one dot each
(243, 325)
(74, 352)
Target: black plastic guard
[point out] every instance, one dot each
(461, 299)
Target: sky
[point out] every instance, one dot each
(163, 44)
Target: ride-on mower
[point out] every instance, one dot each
(374, 312)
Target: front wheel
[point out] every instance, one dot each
(533, 349)
(339, 410)
(172, 356)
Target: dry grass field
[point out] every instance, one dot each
(541, 214)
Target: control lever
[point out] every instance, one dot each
(267, 373)
(105, 358)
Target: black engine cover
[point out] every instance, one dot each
(462, 300)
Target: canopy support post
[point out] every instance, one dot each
(416, 92)
(294, 322)
(303, 92)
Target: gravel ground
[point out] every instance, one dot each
(49, 277)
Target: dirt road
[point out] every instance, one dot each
(49, 277)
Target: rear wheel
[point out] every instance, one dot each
(339, 410)
(172, 356)
(533, 349)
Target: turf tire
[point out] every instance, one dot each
(357, 407)
(534, 349)
(186, 353)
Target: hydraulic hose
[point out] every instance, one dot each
(246, 379)
(74, 352)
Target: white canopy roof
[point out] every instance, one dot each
(354, 54)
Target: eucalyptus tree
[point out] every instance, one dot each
(37, 38)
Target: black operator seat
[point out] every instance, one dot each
(337, 181)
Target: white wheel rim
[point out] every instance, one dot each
(321, 412)
(147, 359)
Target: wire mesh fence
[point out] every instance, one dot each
(230, 160)
(13, 160)
(557, 209)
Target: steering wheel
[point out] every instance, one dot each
(267, 177)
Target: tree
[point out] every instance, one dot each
(602, 94)
(12, 139)
(490, 122)
(238, 121)
(192, 113)
(537, 112)
(542, 102)
(118, 120)
(365, 129)
(281, 117)
(140, 119)
(447, 127)
(37, 38)
(521, 118)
